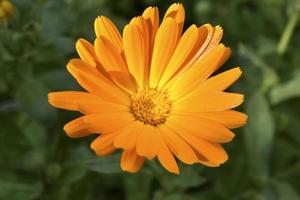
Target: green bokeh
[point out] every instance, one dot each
(38, 161)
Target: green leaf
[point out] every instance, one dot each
(34, 132)
(140, 182)
(189, 177)
(259, 134)
(270, 78)
(18, 190)
(286, 91)
(108, 164)
(33, 98)
(285, 191)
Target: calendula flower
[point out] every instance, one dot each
(150, 94)
(7, 9)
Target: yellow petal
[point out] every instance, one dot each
(178, 146)
(127, 136)
(108, 122)
(182, 53)
(164, 46)
(131, 162)
(98, 85)
(202, 128)
(212, 151)
(104, 27)
(176, 11)
(77, 128)
(218, 101)
(86, 52)
(103, 144)
(137, 52)
(165, 157)
(147, 145)
(199, 72)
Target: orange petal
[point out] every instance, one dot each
(176, 11)
(131, 162)
(83, 102)
(86, 52)
(165, 157)
(98, 85)
(202, 128)
(103, 144)
(112, 61)
(229, 118)
(127, 136)
(211, 36)
(164, 46)
(178, 146)
(185, 47)
(204, 161)
(78, 63)
(215, 40)
(151, 14)
(109, 56)
(218, 101)
(108, 122)
(147, 145)
(136, 50)
(104, 27)
(219, 82)
(69, 100)
(77, 128)
(200, 71)
(203, 34)
(93, 107)
(212, 151)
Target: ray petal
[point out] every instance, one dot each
(177, 12)
(164, 46)
(86, 52)
(108, 122)
(202, 128)
(147, 145)
(165, 157)
(104, 27)
(136, 51)
(131, 162)
(178, 146)
(98, 85)
(103, 144)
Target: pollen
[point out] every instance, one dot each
(151, 106)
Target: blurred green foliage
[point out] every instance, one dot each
(37, 160)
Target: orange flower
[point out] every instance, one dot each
(150, 94)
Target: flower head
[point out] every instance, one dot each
(150, 92)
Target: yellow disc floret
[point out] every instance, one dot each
(151, 106)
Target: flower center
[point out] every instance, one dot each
(151, 106)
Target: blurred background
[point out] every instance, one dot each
(38, 161)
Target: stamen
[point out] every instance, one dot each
(151, 106)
